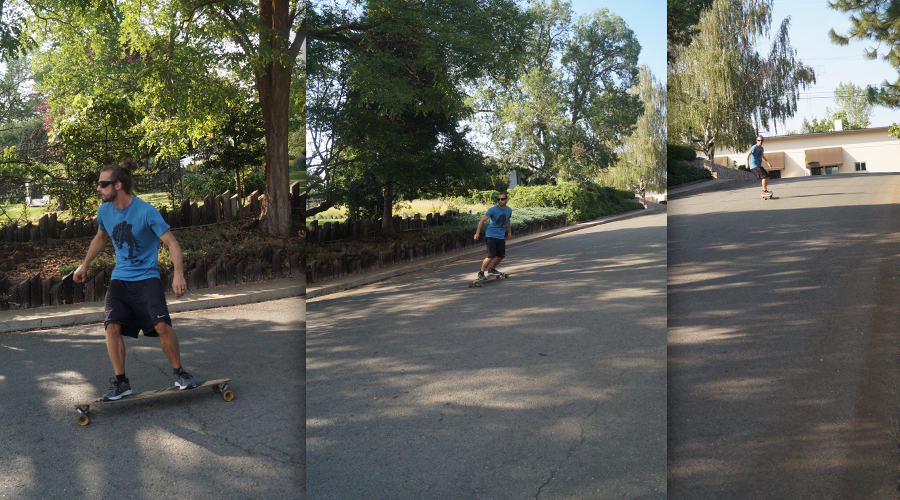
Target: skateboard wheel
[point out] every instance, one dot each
(227, 395)
(83, 420)
(471, 285)
(217, 389)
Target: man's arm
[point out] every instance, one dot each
(93, 251)
(748, 160)
(766, 160)
(478, 231)
(178, 284)
(509, 228)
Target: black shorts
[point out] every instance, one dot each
(136, 305)
(496, 247)
(760, 173)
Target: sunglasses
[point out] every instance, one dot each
(502, 199)
(759, 140)
(103, 184)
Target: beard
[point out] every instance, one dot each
(112, 197)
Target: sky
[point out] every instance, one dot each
(648, 21)
(833, 64)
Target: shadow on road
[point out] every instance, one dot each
(547, 383)
(188, 445)
(782, 353)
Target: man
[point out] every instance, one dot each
(754, 163)
(499, 226)
(135, 299)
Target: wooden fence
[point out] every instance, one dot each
(37, 291)
(336, 231)
(398, 253)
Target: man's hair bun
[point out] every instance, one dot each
(129, 165)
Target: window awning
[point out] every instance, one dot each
(824, 157)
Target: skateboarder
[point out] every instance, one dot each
(135, 299)
(754, 163)
(499, 228)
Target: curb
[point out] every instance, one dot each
(80, 314)
(348, 282)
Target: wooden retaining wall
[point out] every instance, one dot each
(37, 291)
(398, 253)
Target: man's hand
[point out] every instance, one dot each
(476, 236)
(178, 285)
(80, 274)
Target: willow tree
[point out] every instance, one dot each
(725, 90)
(641, 164)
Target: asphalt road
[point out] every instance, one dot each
(549, 384)
(192, 445)
(783, 373)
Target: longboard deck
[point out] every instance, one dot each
(489, 278)
(218, 385)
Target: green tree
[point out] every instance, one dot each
(568, 107)
(386, 95)
(681, 22)
(642, 162)
(726, 91)
(854, 102)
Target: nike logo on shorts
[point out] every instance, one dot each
(159, 317)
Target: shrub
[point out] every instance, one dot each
(680, 153)
(680, 173)
(465, 225)
(581, 201)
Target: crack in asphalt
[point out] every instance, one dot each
(569, 454)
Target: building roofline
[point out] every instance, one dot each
(859, 130)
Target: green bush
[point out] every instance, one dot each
(680, 153)
(581, 201)
(480, 198)
(680, 173)
(465, 225)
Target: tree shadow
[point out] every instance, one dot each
(781, 357)
(187, 445)
(547, 383)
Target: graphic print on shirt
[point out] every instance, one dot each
(501, 221)
(121, 236)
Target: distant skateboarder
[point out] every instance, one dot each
(754, 163)
(499, 228)
(135, 299)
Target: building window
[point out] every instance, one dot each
(831, 170)
(860, 166)
(816, 171)
(775, 174)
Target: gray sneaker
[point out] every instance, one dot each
(481, 276)
(117, 390)
(184, 380)
(494, 272)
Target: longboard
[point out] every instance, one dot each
(489, 278)
(769, 197)
(218, 385)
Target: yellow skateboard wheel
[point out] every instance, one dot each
(83, 420)
(227, 395)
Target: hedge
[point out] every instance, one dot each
(680, 173)
(678, 152)
(580, 201)
(461, 224)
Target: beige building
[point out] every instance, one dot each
(825, 153)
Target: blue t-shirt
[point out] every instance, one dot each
(135, 235)
(497, 221)
(756, 153)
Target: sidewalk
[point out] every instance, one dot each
(92, 312)
(319, 289)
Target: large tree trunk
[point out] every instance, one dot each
(274, 87)
(388, 213)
